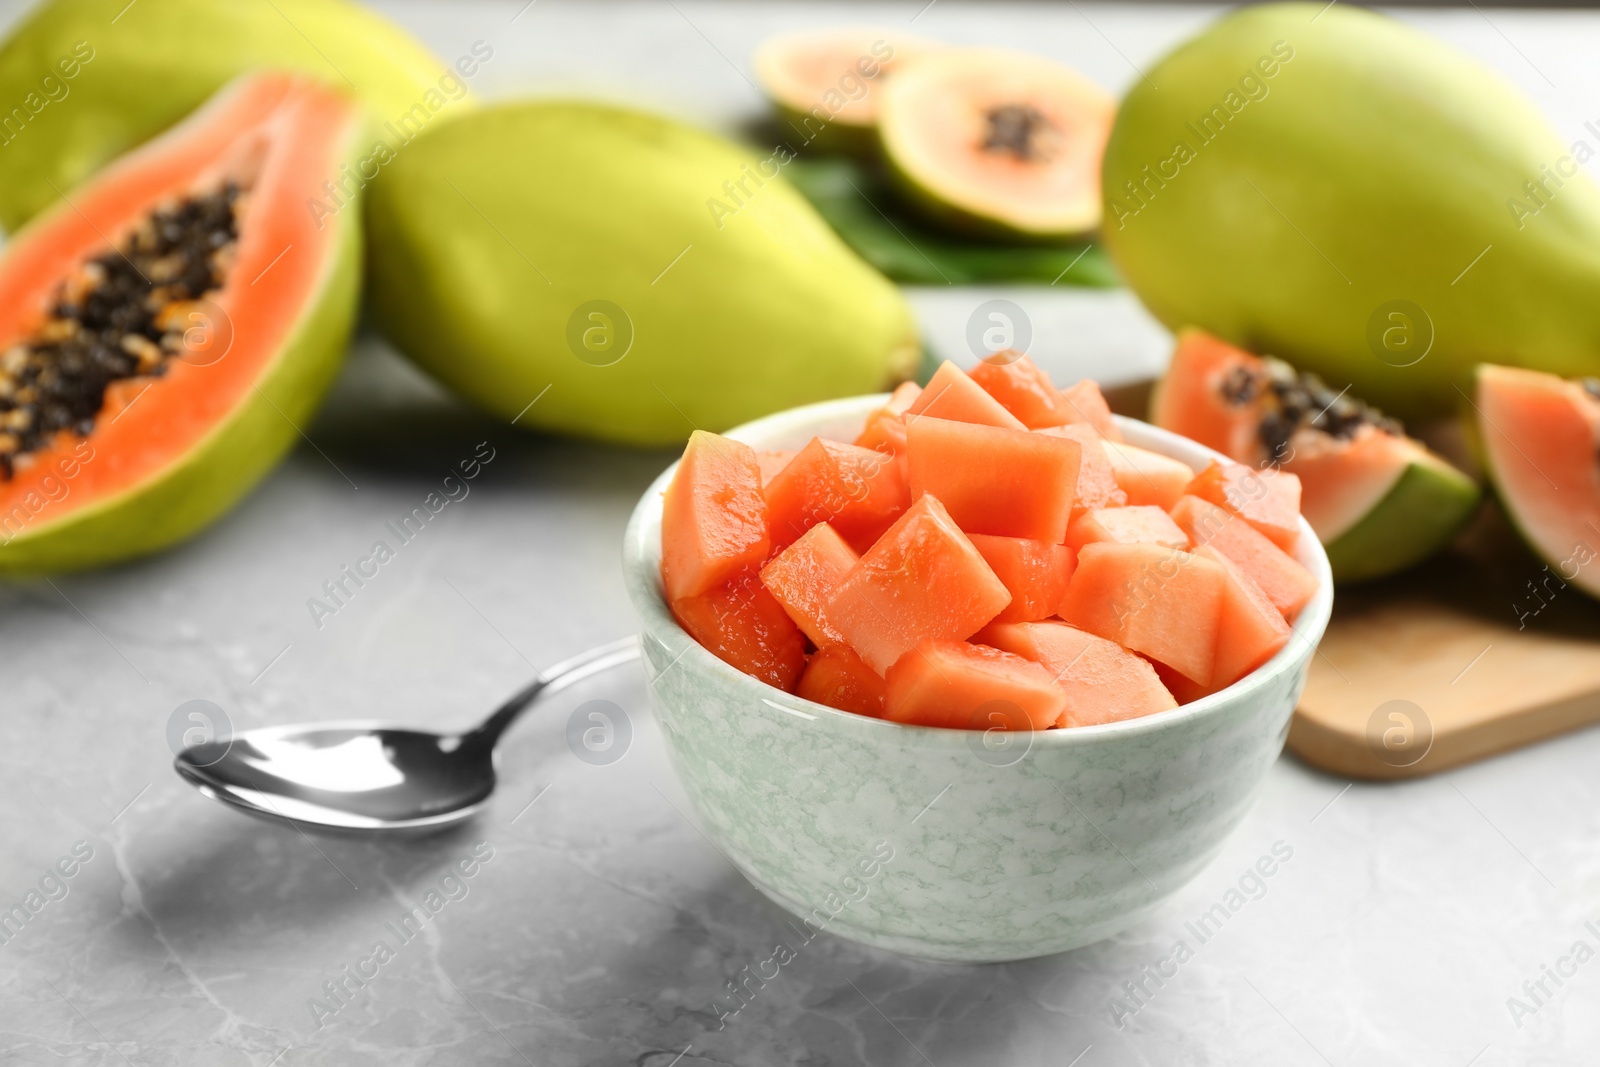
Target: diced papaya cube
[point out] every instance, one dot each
(971, 687)
(1251, 631)
(905, 394)
(713, 516)
(1023, 388)
(885, 428)
(1103, 681)
(858, 491)
(1088, 405)
(1035, 572)
(1279, 575)
(1183, 690)
(771, 462)
(886, 432)
(742, 624)
(950, 394)
(1163, 602)
(1267, 499)
(923, 579)
(1147, 477)
(803, 577)
(1012, 483)
(1128, 526)
(1097, 483)
(839, 678)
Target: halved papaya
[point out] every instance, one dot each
(1379, 501)
(998, 141)
(825, 82)
(1540, 440)
(169, 326)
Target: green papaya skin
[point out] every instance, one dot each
(141, 68)
(491, 235)
(1424, 511)
(1339, 214)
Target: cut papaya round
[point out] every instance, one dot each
(1378, 500)
(1540, 439)
(166, 329)
(997, 141)
(826, 82)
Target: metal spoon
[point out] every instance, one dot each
(368, 777)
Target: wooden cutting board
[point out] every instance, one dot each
(1477, 652)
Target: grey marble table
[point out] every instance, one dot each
(596, 925)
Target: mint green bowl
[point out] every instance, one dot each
(928, 841)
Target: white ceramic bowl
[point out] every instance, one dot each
(924, 840)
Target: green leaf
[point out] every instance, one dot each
(859, 205)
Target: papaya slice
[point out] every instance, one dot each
(1279, 575)
(1011, 483)
(1540, 439)
(1378, 500)
(1146, 477)
(1267, 499)
(1103, 681)
(922, 580)
(713, 516)
(1097, 477)
(825, 82)
(804, 576)
(169, 326)
(742, 624)
(858, 491)
(839, 678)
(971, 687)
(998, 141)
(1023, 388)
(1251, 632)
(771, 461)
(1163, 602)
(952, 394)
(1140, 524)
(1036, 573)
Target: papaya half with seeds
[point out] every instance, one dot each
(605, 273)
(83, 81)
(164, 335)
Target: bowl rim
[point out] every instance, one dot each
(642, 574)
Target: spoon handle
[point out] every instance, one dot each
(550, 680)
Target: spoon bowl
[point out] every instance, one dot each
(366, 777)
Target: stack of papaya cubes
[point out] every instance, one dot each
(987, 552)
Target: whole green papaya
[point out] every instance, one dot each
(1330, 186)
(611, 274)
(83, 81)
